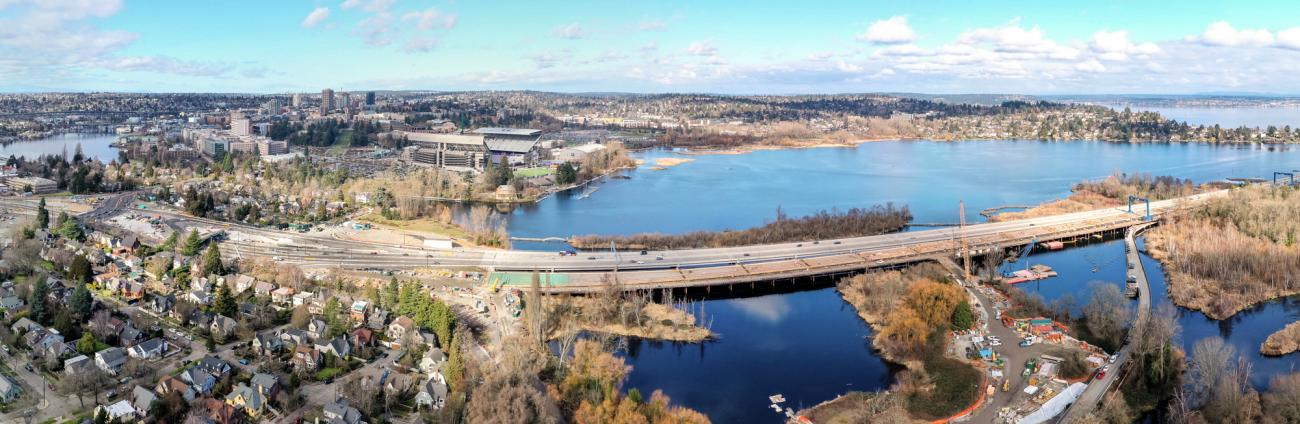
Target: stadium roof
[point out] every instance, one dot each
(512, 146)
(508, 131)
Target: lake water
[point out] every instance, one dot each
(92, 145)
(809, 345)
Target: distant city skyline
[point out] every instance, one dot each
(766, 47)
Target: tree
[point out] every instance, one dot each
(192, 244)
(934, 301)
(1106, 315)
(42, 215)
(224, 303)
(212, 260)
(81, 303)
(301, 316)
(389, 297)
(566, 174)
(170, 244)
(40, 310)
(962, 316)
(1281, 404)
(80, 271)
(69, 228)
(86, 344)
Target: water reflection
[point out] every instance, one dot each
(771, 309)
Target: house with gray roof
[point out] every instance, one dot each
(9, 390)
(110, 360)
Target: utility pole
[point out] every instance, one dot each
(965, 250)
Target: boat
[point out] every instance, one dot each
(776, 398)
(776, 407)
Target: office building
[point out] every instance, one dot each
(326, 101)
(370, 98)
(269, 147)
(297, 100)
(240, 125)
(34, 185)
(345, 100)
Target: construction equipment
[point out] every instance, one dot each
(1131, 198)
(965, 250)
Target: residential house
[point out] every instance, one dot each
(33, 338)
(432, 361)
(141, 400)
(221, 413)
(122, 411)
(317, 328)
(295, 336)
(10, 302)
(129, 336)
(132, 290)
(77, 364)
(363, 337)
(199, 380)
(214, 365)
(306, 358)
(239, 283)
(266, 384)
(302, 298)
(52, 344)
(152, 349)
(378, 319)
(222, 327)
(169, 384)
(263, 288)
(340, 412)
(247, 400)
(359, 310)
(9, 390)
(428, 338)
(267, 343)
(198, 297)
(338, 346)
(162, 305)
(23, 325)
(399, 328)
(110, 360)
(282, 296)
(397, 384)
(433, 393)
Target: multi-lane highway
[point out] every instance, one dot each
(652, 268)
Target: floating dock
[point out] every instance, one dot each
(1034, 273)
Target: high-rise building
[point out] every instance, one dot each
(297, 100)
(370, 98)
(326, 101)
(271, 107)
(240, 125)
(345, 100)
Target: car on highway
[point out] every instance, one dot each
(374, 252)
(659, 258)
(591, 258)
(643, 253)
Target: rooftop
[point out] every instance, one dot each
(508, 131)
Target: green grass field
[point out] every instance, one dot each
(534, 172)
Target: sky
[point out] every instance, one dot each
(751, 47)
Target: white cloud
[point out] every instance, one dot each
(894, 30)
(430, 19)
(377, 30)
(568, 31)
(1115, 46)
(1091, 65)
(166, 65)
(316, 16)
(702, 48)
(372, 6)
(1222, 34)
(1289, 38)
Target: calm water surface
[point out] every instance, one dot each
(92, 145)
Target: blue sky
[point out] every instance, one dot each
(759, 47)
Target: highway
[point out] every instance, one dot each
(653, 269)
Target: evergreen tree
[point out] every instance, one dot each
(390, 294)
(192, 244)
(80, 270)
(224, 303)
(40, 310)
(455, 366)
(170, 244)
(81, 303)
(566, 174)
(212, 260)
(42, 215)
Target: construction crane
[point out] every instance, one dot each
(1131, 198)
(1290, 176)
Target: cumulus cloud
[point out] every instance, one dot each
(1223, 34)
(1289, 38)
(894, 30)
(702, 48)
(430, 19)
(420, 44)
(1115, 45)
(316, 16)
(568, 31)
(1091, 65)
